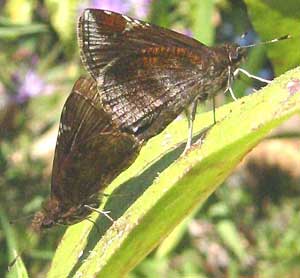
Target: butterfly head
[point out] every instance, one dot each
(235, 54)
(47, 217)
(41, 221)
(56, 213)
(53, 214)
(228, 57)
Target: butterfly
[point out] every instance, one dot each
(90, 152)
(147, 75)
(141, 78)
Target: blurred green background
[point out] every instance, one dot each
(249, 228)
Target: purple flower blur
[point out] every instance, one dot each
(188, 32)
(119, 6)
(3, 97)
(140, 7)
(136, 8)
(31, 85)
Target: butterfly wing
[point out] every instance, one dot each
(105, 36)
(147, 74)
(90, 150)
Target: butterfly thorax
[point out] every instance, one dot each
(57, 213)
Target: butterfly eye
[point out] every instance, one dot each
(234, 55)
(237, 54)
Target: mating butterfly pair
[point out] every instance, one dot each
(142, 77)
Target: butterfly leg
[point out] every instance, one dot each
(229, 83)
(236, 72)
(214, 110)
(105, 213)
(190, 113)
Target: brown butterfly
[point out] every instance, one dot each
(90, 152)
(143, 77)
(148, 75)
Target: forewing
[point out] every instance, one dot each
(105, 36)
(90, 150)
(143, 70)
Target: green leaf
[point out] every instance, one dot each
(160, 13)
(171, 241)
(20, 11)
(17, 268)
(62, 14)
(150, 199)
(202, 20)
(231, 237)
(15, 31)
(273, 19)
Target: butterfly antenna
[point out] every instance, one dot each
(285, 37)
(238, 70)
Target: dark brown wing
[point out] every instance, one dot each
(90, 150)
(147, 74)
(106, 36)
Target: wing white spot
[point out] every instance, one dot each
(66, 128)
(107, 12)
(89, 17)
(127, 18)
(137, 22)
